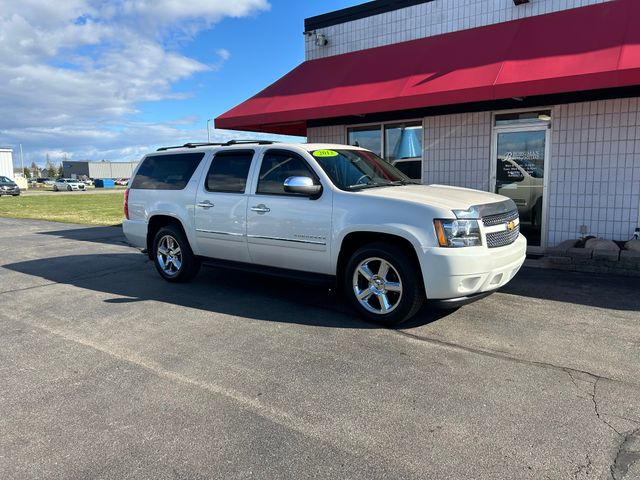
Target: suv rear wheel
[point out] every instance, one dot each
(382, 284)
(172, 255)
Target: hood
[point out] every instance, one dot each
(440, 196)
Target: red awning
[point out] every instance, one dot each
(580, 49)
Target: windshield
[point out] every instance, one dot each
(5, 179)
(358, 169)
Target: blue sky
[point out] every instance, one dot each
(98, 79)
(263, 48)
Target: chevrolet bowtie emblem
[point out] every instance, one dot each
(511, 226)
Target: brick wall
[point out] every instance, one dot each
(331, 134)
(457, 149)
(595, 176)
(427, 19)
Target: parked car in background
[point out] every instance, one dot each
(522, 181)
(68, 184)
(88, 182)
(122, 181)
(411, 167)
(49, 182)
(8, 187)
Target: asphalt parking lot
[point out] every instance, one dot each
(109, 372)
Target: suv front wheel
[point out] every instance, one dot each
(172, 255)
(382, 284)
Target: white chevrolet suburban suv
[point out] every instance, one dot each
(317, 211)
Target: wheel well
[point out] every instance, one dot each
(355, 240)
(156, 223)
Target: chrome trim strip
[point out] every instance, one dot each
(232, 234)
(501, 227)
(479, 211)
(286, 240)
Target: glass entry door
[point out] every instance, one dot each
(518, 172)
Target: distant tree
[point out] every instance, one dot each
(26, 172)
(61, 170)
(52, 171)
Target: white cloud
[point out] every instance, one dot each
(223, 53)
(71, 70)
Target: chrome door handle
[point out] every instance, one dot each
(262, 208)
(206, 204)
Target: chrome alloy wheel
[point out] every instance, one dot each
(169, 256)
(378, 292)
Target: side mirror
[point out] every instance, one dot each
(302, 186)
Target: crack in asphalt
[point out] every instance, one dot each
(584, 467)
(626, 456)
(503, 356)
(597, 410)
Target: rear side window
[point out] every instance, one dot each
(277, 167)
(166, 172)
(228, 172)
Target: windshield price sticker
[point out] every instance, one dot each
(325, 153)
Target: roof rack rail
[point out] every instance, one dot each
(190, 145)
(242, 142)
(226, 144)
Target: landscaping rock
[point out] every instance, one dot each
(630, 258)
(632, 245)
(579, 253)
(561, 248)
(559, 260)
(606, 255)
(599, 244)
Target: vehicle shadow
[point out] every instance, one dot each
(603, 290)
(111, 235)
(131, 278)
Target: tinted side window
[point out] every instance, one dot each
(276, 168)
(167, 172)
(229, 171)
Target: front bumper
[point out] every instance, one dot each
(10, 191)
(453, 273)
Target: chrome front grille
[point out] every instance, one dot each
(492, 220)
(503, 237)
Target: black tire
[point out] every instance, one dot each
(403, 273)
(55, 188)
(69, 188)
(189, 263)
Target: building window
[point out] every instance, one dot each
(518, 118)
(403, 148)
(398, 143)
(367, 137)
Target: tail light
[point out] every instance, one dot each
(126, 204)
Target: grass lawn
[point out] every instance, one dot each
(93, 209)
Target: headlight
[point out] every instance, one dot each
(458, 233)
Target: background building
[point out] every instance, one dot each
(6, 163)
(538, 101)
(85, 168)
